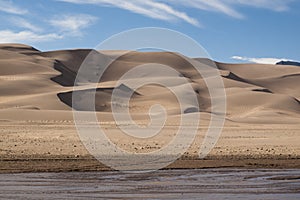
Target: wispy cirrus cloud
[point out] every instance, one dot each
(220, 6)
(260, 60)
(64, 26)
(9, 7)
(150, 8)
(229, 7)
(72, 24)
(23, 23)
(275, 5)
(168, 10)
(9, 36)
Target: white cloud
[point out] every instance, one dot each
(167, 10)
(9, 7)
(69, 25)
(275, 5)
(8, 36)
(260, 60)
(149, 8)
(211, 5)
(228, 7)
(72, 24)
(20, 22)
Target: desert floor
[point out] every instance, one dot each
(55, 146)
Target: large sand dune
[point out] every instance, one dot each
(34, 80)
(37, 87)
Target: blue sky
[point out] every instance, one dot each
(261, 31)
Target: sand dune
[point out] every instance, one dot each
(30, 79)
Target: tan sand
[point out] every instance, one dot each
(37, 127)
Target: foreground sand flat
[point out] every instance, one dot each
(37, 131)
(57, 147)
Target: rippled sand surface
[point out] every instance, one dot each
(165, 184)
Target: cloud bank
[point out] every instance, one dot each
(260, 60)
(8, 36)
